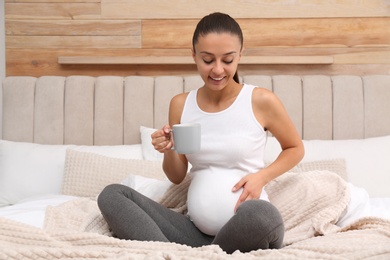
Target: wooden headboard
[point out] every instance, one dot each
(109, 110)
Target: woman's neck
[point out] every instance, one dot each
(215, 101)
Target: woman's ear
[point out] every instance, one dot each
(193, 53)
(241, 52)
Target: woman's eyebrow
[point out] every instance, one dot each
(226, 54)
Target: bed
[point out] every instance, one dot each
(65, 138)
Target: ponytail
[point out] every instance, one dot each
(236, 78)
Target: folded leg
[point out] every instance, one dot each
(257, 224)
(132, 215)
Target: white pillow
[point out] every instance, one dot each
(148, 151)
(358, 207)
(150, 187)
(28, 169)
(367, 160)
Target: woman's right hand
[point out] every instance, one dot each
(162, 140)
(175, 165)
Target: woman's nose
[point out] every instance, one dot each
(218, 68)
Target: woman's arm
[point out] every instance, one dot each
(174, 165)
(271, 114)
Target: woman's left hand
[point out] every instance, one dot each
(252, 186)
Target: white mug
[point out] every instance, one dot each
(186, 138)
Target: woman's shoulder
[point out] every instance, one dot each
(178, 101)
(262, 93)
(264, 98)
(180, 98)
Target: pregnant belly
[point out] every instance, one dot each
(211, 201)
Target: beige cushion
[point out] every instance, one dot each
(337, 166)
(86, 174)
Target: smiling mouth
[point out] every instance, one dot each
(217, 79)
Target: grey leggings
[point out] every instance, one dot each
(257, 224)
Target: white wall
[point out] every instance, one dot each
(2, 61)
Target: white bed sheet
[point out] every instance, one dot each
(380, 207)
(31, 211)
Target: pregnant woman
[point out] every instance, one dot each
(226, 202)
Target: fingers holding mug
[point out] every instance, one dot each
(162, 139)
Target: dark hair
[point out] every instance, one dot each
(218, 23)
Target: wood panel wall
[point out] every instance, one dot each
(355, 33)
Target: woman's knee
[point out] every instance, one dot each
(260, 210)
(263, 218)
(257, 224)
(108, 196)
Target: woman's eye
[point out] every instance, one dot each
(211, 61)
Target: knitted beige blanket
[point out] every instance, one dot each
(310, 204)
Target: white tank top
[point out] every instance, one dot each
(232, 146)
